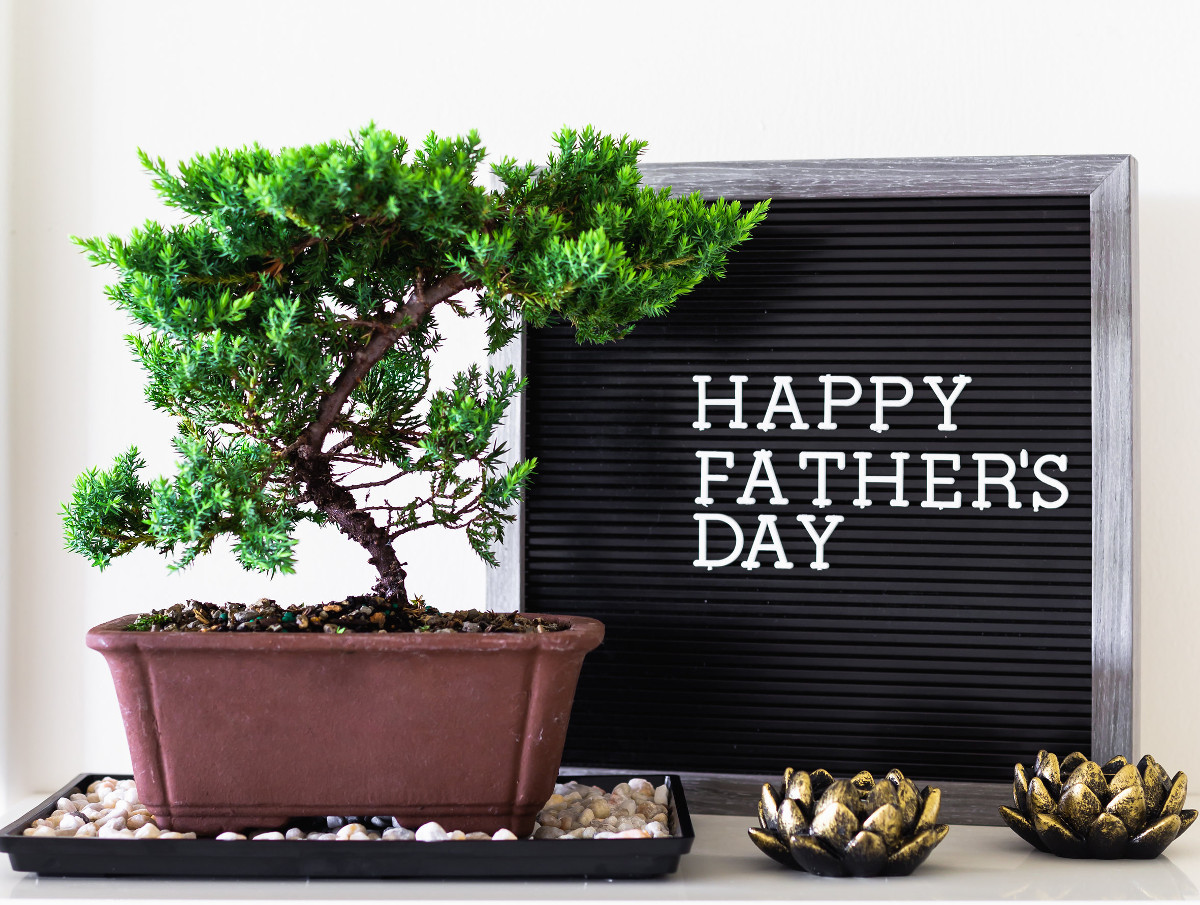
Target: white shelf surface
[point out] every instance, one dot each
(973, 864)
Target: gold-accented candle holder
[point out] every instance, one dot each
(856, 827)
(1076, 808)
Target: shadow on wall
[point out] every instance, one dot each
(1169, 233)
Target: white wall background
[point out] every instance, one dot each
(83, 84)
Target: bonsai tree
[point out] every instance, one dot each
(287, 324)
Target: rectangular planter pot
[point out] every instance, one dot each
(233, 730)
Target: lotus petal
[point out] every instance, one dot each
(1088, 774)
(1040, 799)
(930, 805)
(913, 853)
(1058, 837)
(910, 803)
(886, 822)
(883, 793)
(1151, 842)
(1018, 824)
(768, 809)
(1130, 806)
(1107, 837)
(1186, 819)
(791, 818)
(799, 788)
(1081, 807)
(815, 858)
(1020, 787)
(1125, 778)
(821, 780)
(835, 824)
(772, 845)
(1072, 762)
(1175, 797)
(1155, 781)
(866, 855)
(863, 781)
(1047, 768)
(895, 777)
(1113, 766)
(842, 792)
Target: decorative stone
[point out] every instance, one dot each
(230, 837)
(431, 832)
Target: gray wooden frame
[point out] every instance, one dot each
(1109, 182)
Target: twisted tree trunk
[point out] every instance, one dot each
(311, 465)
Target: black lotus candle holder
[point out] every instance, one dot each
(856, 827)
(1079, 809)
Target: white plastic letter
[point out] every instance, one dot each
(932, 481)
(1005, 480)
(701, 422)
(766, 525)
(897, 480)
(762, 462)
(702, 561)
(881, 403)
(831, 522)
(1039, 501)
(704, 455)
(783, 387)
(822, 459)
(935, 384)
(855, 394)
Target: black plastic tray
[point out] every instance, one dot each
(590, 858)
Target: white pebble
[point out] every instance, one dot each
(350, 829)
(112, 831)
(478, 837)
(431, 832)
(503, 835)
(662, 795)
(268, 836)
(657, 830)
(294, 833)
(67, 805)
(66, 833)
(170, 834)
(398, 834)
(458, 835)
(88, 829)
(229, 837)
(146, 831)
(136, 821)
(92, 812)
(111, 822)
(641, 788)
(71, 822)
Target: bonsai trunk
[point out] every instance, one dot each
(339, 504)
(312, 465)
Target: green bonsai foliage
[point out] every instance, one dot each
(287, 325)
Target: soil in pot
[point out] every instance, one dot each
(354, 614)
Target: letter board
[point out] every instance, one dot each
(867, 501)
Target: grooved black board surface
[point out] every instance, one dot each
(950, 643)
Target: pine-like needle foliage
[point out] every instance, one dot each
(287, 326)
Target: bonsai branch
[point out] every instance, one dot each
(406, 317)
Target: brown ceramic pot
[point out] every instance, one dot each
(229, 731)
